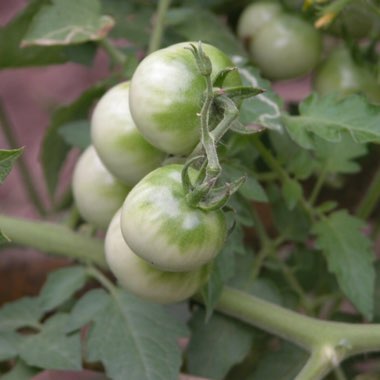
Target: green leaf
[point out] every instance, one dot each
(292, 192)
(217, 345)
(76, 133)
(135, 340)
(51, 348)
(9, 344)
(296, 160)
(10, 38)
(19, 372)
(24, 312)
(86, 309)
(263, 288)
(282, 364)
(133, 20)
(65, 22)
(263, 109)
(293, 224)
(252, 190)
(7, 160)
(338, 157)
(349, 256)
(61, 286)
(198, 24)
(54, 148)
(328, 117)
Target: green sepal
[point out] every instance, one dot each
(203, 61)
(218, 197)
(222, 75)
(238, 93)
(242, 129)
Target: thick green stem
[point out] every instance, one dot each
(315, 368)
(26, 178)
(371, 198)
(53, 238)
(156, 36)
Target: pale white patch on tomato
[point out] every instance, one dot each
(190, 221)
(176, 176)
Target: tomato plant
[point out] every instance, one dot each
(117, 141)
(247, 247)
(97, 193)
(139, 277)
(160, 227)
(165, 113)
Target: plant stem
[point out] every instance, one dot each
(26, 178)
(371, 198)
(267, 156)
(53, 238)
(116, 55)
(318, 186)
(315, 368)
(156, 36)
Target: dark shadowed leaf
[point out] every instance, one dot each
(216, 345)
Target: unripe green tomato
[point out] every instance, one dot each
(97, 193)
(166, 95)
(137, 276)
(340, 74)
(161, 228)
(286, 47)
(255, 16)
(119, 144)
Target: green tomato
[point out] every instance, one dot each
(286, 47)
(164, 230)
(255, 16)
(137, 276)
(97, 194)
(119, 144)
(340, 74)
(166, 93)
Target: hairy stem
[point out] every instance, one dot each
(156, 36)
(53, 238)
(27, 180)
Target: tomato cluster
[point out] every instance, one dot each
(157, 246)
(285, 45)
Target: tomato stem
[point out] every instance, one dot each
(158, 28)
